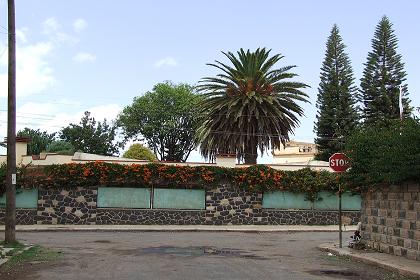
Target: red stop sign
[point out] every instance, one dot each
(339, 162)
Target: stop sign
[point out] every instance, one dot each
(339, 162)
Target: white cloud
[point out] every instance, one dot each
(79, 25)
(53, 29)
(33, 72)
(49, 116)
(108, 112)
(21, 35)
(84, 57)
(167, 61)
(50, 25)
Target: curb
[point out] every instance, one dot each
(355, 256)
(168, 229)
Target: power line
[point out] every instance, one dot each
(36, 125)
(42, 94)
(31, 114)
(4, 51)
(42, 115)
(203, 114)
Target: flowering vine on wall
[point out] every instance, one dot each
(256, 178)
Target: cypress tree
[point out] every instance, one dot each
(337, 115)
(382, 77)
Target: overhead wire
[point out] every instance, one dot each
(30, 113)
(220, 132)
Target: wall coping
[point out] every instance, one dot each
(306, 210)
(150, 209)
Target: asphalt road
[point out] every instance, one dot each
(191, 255)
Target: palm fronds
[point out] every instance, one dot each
(249, 105)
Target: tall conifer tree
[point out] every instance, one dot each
(337, 115)
(382, 77)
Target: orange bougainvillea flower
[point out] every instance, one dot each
(255, 178)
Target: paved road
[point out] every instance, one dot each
(192, 255)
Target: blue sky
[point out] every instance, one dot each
(97, 55)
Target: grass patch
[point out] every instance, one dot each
(15, 244)
(33, 254)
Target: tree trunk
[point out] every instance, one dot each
(10, 219)
(251, 151)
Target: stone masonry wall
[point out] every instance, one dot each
(224, 205)
(109, 216)
(23, 216)
(308, 217)
(67, 206)
(391, 220)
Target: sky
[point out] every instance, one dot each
(81, 55)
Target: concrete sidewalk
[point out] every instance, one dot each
(403, 266)
(209, 228)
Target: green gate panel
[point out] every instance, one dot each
(285, 200)
(24, 199)
(329, 201)
(123, 197)
(179, 199)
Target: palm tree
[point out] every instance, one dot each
(249, 105)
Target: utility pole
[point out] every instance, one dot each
(10, 234)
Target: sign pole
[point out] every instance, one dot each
(340, 230)
(339, 162)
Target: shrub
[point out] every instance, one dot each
(61, 147)
(138, 151)
(385, 155)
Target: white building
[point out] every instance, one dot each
(295, 152)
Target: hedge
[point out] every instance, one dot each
(256, 178)
(387, 154)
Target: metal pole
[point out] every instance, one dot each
(10, 221)
(340, 231)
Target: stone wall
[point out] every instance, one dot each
(308, 217)
(224, 205)
(67, 206)
(391, 220)
(109, 216)
(23, 216)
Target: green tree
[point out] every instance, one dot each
(166, 117)
(39, 140)
(93, 137)
(382, 77)
(61, 147)
(249, 105)
(337, 116)
(138, 151)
